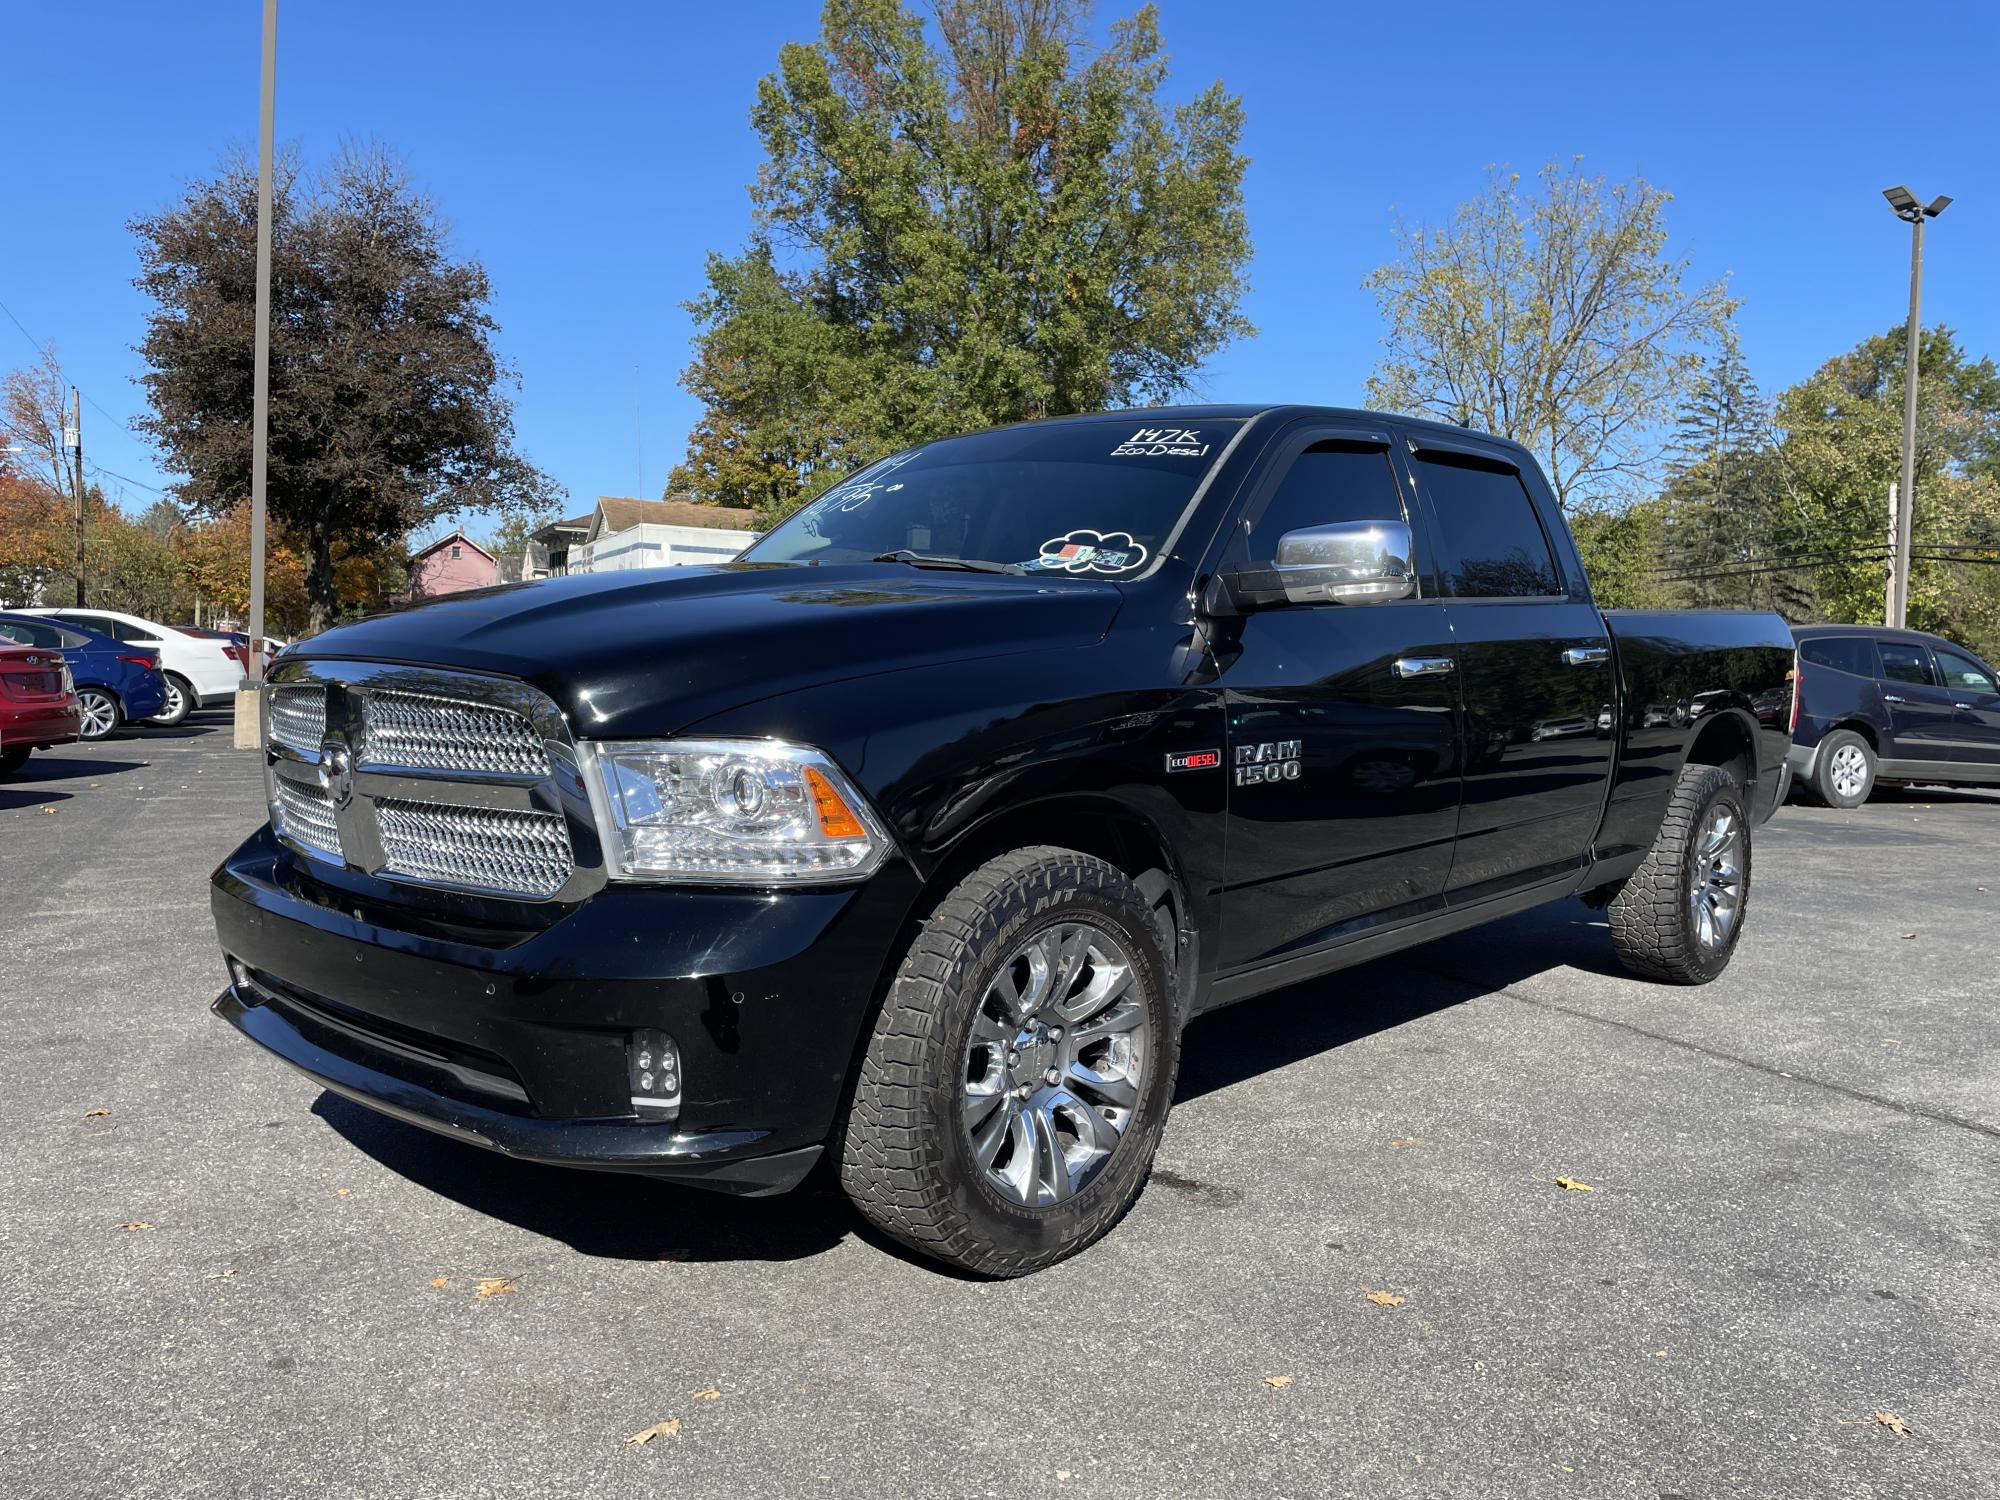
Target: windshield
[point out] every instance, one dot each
(1089, 498)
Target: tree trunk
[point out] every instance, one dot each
(322, 598)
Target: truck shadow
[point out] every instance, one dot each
(613, 1215)
(623, 1217)
(1287, 1026)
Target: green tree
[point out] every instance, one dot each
(1842, 447)
(1552, 314)
(387, 409)
(1624, 554)
(1001, 226)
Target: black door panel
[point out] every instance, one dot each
(1343, 770)
(1540, 736)
(1366, 823)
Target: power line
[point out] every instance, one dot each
(41, 348)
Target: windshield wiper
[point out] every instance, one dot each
(952, 564)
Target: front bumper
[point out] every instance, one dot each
(514, 1038)
(1802, 760)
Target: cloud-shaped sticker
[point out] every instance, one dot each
(1087, 551)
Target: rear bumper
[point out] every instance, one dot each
(516, 1039)
(40, 727)
(1802, 760)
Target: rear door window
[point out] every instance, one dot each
(1902, 662)
(1492, 542)
(1843, 653)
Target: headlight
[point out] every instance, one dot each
(736, 812)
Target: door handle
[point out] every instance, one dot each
(1422, 666)
(1892, 697)
(1966, 706)
(1586, 656)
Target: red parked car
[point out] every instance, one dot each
(37, 703)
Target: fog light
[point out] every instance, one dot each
(654, 1064)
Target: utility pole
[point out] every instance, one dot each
(1908, 209)
(249, 732)
(73, 435)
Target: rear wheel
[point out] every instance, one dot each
(1018, 1078)
(179, 704)
(98, 711)
(1681, 913)
(13, 758)
(1846, 771)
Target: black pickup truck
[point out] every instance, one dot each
(912, 839)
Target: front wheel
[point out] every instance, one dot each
(1680, 914)
(1018, 1078)
(97, 711)
(179, 704)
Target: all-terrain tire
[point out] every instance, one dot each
(904, 1155)
(1653, 919)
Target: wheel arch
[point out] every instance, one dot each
(1727, 739)
(1089, 823)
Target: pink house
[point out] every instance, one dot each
(451, 564)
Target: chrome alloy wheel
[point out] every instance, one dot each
(1715, 895)
(98, 712)
(174, 700)
(1056, 1063)
(1849, 770)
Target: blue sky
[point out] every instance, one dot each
(591, 153)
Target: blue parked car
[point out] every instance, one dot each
(116, 681)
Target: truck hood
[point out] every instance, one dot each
(646, 652)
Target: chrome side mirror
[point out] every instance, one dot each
(1349, 562)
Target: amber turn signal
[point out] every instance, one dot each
(836, 818)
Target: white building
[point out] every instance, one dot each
(627, 533)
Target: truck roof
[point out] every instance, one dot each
(1283, 410)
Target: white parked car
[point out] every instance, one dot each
(199, 671)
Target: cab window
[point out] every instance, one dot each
(1328, 483)
(1962, 672)
(1492, 541)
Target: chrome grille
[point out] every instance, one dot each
(431, 733)
(305, 816)
(482, 848)
(298, 717)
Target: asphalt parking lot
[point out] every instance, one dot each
(218, 1280)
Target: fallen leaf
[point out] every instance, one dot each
(1893, 1422)
(1382, 1298)
(1062, 1475)
(135, 1225)
(1571, 1185)
(343, 1192)
(1661, 1353)
(440, 1281)
(1908, 935)
(711, 1394)
(49, 812)
(1278, 1381)
(95, 1114)
(493, 1286)
(1407, 1140)
(669, 1428)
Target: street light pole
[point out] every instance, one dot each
(248, 727)
(1907, 208)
